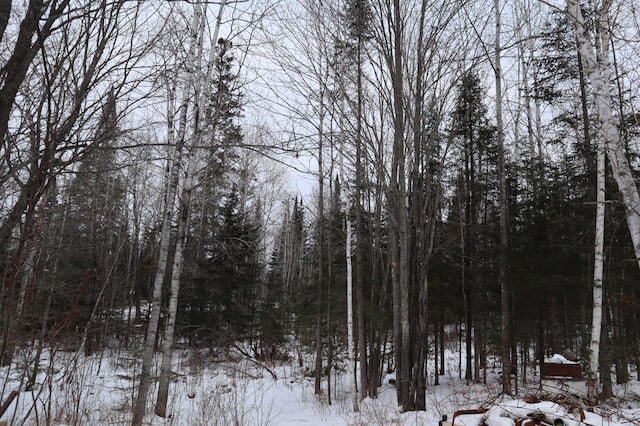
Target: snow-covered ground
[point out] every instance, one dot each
(99, 390)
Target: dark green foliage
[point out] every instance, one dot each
(91, 270)
(359, 15)
(290, 268)
(225, 107)
(218, 298)
(558, 65)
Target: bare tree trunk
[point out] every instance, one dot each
(598, 268)
(399, 226)
(165, 233)
(350, 342)
(203, 94)
(346, 199)
(595, 67)
(362, 345)
(422, 223)
(329, 286)
(351, 371)
(176, 272)
(504, 279)
(319, 344)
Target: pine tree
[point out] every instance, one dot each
(478, 158)
(225, 288)
(95, 234)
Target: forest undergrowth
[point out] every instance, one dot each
(229, 388)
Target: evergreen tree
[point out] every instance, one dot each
(95, 235)
(475, 203)
(219, 301)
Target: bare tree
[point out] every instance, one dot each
(54, 110)
(169, 202)
(598, 272)
(596, 65)
(203, 94)
(504, 248)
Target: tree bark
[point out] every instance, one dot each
(595, 67)
(165, 233)
(362, 345)
(203, 94)
(320, 242)
(176, 272)
(399, 226)
(351, 371)
(598, 267)
(346, 200)
(502, 183)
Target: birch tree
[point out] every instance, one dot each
(169, 202)
(202, 94)
(351, 370)
(346, 200)
(598, 272)
(596, 67)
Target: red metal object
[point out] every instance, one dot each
(464, 412)
(551, 370)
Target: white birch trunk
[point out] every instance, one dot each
(596, 323)
(176, 272)
(609, 143)
(602, 43)
(597, 70)
(344, 196)
(165, 233)
(351, 371)
(202, 94)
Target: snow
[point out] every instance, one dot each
(547, 411)
(559, 359)
(97, 390)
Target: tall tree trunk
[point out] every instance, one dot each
(598, 270)
(506, 329)
(362, 343)
(165, 233)
(320, 242)
(350, 342)
(176, 272)
(399, 227)
(346, 200)
(351, 371)
(329, 328)
(596, 68)
(423, 220)
(379, 278)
